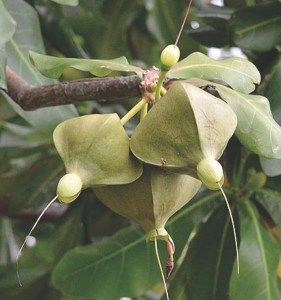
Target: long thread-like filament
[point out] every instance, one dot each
(183, 23)
(160, 267)
(33, 227)
(233, 227)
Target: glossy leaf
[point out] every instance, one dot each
(259, 255)
(17, 49)
(208, 264)
(167, 16)
(7, 25)
(272, 167)
(257, 28)
(212, 20)
(67, 2)
(59, 32)
(256, 129)
(30, 183)
(271, 200)
(125, 262)
(164, 22)
(239, 73)
(53, 67)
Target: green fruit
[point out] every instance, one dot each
(170, 56)
(185, 127)
(95, 148)
(151, 200)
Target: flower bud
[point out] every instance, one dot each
(69, 188)
(210, 172)
(170, 56)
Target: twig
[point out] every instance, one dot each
(30, 97)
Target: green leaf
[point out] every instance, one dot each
(59, 32)
(257, 28)
(273, 93)
(36, 262)
(31, 182)
(207, 267)
(17, 49)
(239, 73)
(271, 200)
(167, 19)
(212, 30)
(271, 167)
(7, 25)
(256, 129)
(67, 2)
(259, 254)
(164, 22)
(124, 262)
(53, 67)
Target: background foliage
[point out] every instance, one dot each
(85, 251)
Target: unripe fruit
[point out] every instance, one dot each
(96, 148)
(69, 188)
(187, 126)
(150, 200)
(210, 172)
(170, 56)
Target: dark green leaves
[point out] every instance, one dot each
(124, 262)
(259, 254)
(114, 263)
(206, 270)
(273, 93)
(257, 28)
(17, 57)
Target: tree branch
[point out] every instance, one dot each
(30, 97)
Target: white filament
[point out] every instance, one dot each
(233, 227)
(33, 227)
(160, 267)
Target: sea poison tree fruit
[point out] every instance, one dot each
(95, 151)
(152, 199)
(187, 126)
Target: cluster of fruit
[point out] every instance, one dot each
(150, 176)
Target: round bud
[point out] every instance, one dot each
(210, 172)
(69, 188)
(170, 56)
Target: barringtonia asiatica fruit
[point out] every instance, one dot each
(96, 149)
(187, 126)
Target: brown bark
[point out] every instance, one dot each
(30, 97)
